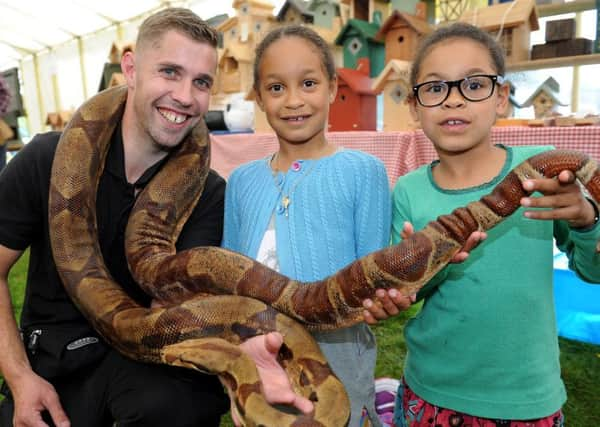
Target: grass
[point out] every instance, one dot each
(580, 361)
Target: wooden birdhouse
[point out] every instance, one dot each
(325, 13)
(394, 82)
(366, 10)
(355, 105)
(449, 10)
(401, 33)
(544, 99)
(240, 35)
(514, 21)
(358, 41)
(295, 12)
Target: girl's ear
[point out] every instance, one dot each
(258, 99)
(128, 68)
(503, 98)
(333, 86)
(412, 106)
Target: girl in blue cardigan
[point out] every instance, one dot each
(310, 208)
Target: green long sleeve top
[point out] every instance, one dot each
(485, 341)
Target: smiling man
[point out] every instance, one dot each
(64, 372)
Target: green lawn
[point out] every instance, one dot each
(580, 362)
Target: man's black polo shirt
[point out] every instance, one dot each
(24, 187)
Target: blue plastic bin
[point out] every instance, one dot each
(577, 305)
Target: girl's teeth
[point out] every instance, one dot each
(454, 122)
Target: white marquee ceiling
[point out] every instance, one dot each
(32, 26)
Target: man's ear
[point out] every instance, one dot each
(128, 68)
(503, 99)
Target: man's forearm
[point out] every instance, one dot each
(13, 362)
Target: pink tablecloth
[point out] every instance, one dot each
(400, 151)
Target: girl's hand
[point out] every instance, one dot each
(564, 199)
(473, 240)
(391, 302)
(388, 304)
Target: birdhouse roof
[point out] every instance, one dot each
(419, 25)
(366, 29)
(300, 5)
(217, 20)
(227, 24)
(358, 80)
(393, 70)
(508, 14)
(550, 87)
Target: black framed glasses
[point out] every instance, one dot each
(474, 88)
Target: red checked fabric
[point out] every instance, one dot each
(401, 152)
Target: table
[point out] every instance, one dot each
(400, 152)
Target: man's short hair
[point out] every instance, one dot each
(179, 19)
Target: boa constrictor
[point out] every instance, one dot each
(213, 299)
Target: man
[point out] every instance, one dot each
(59, 371)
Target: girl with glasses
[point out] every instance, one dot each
(483, 350)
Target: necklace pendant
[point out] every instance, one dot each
(285, 202)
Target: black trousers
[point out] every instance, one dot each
(130, 393)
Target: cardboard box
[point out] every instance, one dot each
(560, 29)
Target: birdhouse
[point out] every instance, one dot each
(544, 99)
(355, 105)
(358, 41)
(513, 22)
(295, 12)
(324, 12)
(240, 35)
(234, 69)
(367, 10)
(401, 33)
(328, 24)
(394, 82)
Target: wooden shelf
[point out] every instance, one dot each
(564, 61)
(560, 8)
